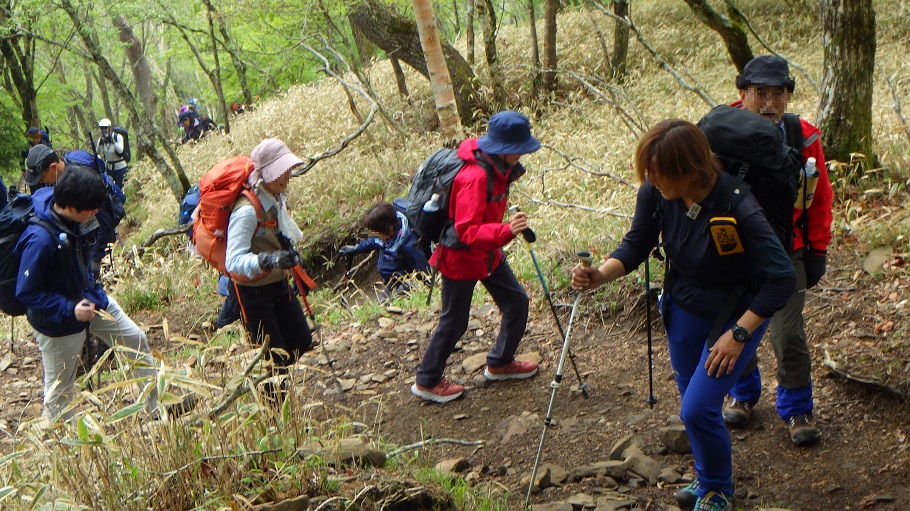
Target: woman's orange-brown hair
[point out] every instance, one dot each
(677, 150)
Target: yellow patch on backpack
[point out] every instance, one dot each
(725, 236)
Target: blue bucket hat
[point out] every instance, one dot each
(508, 132)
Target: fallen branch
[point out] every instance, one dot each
(605, 211)
(160, 233)
(311, 161)
(587, 168)
(243, 388)
(663, 63)
(431, 441)
(633, 124)
(867, 380)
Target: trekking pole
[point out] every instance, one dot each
(585, 259)
(583, 387)
(315, 329)
(651, 401)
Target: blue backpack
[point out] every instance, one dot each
(188, 205)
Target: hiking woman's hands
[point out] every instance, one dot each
(84, 311)
(723, 355)
(518, 223)
(586, 277)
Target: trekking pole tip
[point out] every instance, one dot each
(651, 401)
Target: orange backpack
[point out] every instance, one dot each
(219, 189)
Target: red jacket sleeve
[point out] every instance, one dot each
(819, 212)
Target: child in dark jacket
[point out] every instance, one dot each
(399, 254)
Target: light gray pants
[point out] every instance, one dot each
(60, 357)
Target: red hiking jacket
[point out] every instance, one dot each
(479, 223)
(819, 228)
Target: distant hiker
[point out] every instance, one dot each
(194, 126)
(37, 136)
(682, 187)
(61, 295)
(193, 105)
(238, 108)
(111, 149)
(478, 224)
(260, 251)
(399, 255)
(765, 88)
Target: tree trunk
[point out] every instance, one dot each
(398, 37)
(147, 134)
(219, 89)
(620, 40)
(535, 47)
(146, 84)
(399, 77)
(845, 112)
(19, 56)
(487, 18)
(469, 30)
(733, 35)
(549, 45)
(230, 45)
(105, 96)
(443, 95)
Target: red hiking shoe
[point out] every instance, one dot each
(514, 370)
(442, 393)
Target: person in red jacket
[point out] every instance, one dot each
(477, 212)
(765, 87)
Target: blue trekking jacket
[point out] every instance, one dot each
(54, 275)
(399, 255)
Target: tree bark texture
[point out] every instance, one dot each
(535, 47)
(219, 89)
(443, 95)
(845, 112)
(230, 45)
(618, 62)
(19, 56)
(733, 35)
(397, 36)
(549, 45)
(469, 30)
(487, 17)
(147, 134)
(400, 79)
(146, 84)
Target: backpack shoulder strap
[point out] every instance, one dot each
(793, 127)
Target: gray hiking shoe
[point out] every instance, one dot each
(686, 497)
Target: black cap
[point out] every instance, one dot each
(39, 158)
(766, 70)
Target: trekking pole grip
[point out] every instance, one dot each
(584, 258)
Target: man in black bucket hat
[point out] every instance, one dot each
(765, 87)
(477, 204)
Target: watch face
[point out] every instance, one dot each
(740, 334)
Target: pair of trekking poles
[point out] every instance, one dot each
(585, 259)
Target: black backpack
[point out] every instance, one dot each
(127, 155)
(435, 176)
(752, 149)
(14, 217)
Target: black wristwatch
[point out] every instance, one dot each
(740, 334)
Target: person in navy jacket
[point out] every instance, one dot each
(679, 199)
(60, 293)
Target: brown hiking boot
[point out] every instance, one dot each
(803, 431)
(737, 412)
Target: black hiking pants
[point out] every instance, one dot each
(512, 301)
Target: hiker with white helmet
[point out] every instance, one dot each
(111, 149)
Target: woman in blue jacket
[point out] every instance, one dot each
(716, 258)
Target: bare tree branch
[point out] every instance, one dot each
(431, 441)
(602, 211)
(663, 63)
(896, 105)
(587, 168)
